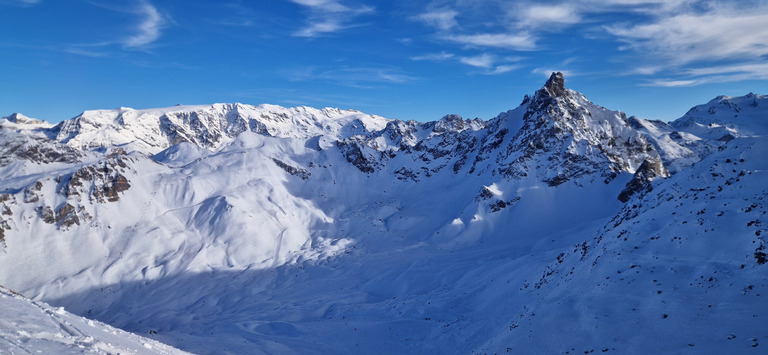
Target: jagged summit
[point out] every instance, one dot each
(563, 136)
(555, 85)
(554, 88)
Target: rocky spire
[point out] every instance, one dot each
(553, 89)
(555, 86)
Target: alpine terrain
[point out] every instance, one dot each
(557, 227)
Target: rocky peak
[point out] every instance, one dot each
(449, 123)
(546, 99)
(564, 136)
(555, 86)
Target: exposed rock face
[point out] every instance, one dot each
(31, 193)
(555, 86)
(641, 181)
(112, 188)
(66, 216)
(354, 154)
(35, 149)
(101, 182)
(300, 172)
(5, 212)
(46, 214)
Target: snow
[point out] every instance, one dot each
(335, 231)
(35, 327)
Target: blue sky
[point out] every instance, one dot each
(399, 59)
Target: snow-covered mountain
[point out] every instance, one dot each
(236, 228)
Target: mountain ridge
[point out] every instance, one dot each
(332, 230)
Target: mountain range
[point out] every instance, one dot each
(557, 227)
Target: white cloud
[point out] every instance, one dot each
(517, 41)
(501, 69)
(756, 69)
(636, 5)
(443, 19)
(315, 29)
(324, 5)
(148, 30)
(675, 42)
(546, 16)
(484, 60)
(434, 56)
(84, 52)
(715, 74)
(352, 76)
(327, 16)
(19, 2)
(646, 70)
(686, 38)
(673, 83)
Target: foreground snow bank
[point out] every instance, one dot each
(35, 327)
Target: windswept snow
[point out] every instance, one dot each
(28, 327)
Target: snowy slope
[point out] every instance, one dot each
(260, 229)
(28, 327)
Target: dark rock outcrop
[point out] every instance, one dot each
(101, 182)
(641, 181)
(299, 172)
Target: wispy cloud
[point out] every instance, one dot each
(672, 42)
(148, 29)
(359, 77)
(758, 70)
(434, 56)
(667, 83)
(548, 17)
(501, 69)
(442, 19)
(484, 60)
(642, 6)
(144, 32)
(713, 74)
(492, 64)
(328, 16)
(19, 2)
(81, 51)
(687, 38)
(522, 41)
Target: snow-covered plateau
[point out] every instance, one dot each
(557, 227)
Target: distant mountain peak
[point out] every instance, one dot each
(21, 119)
